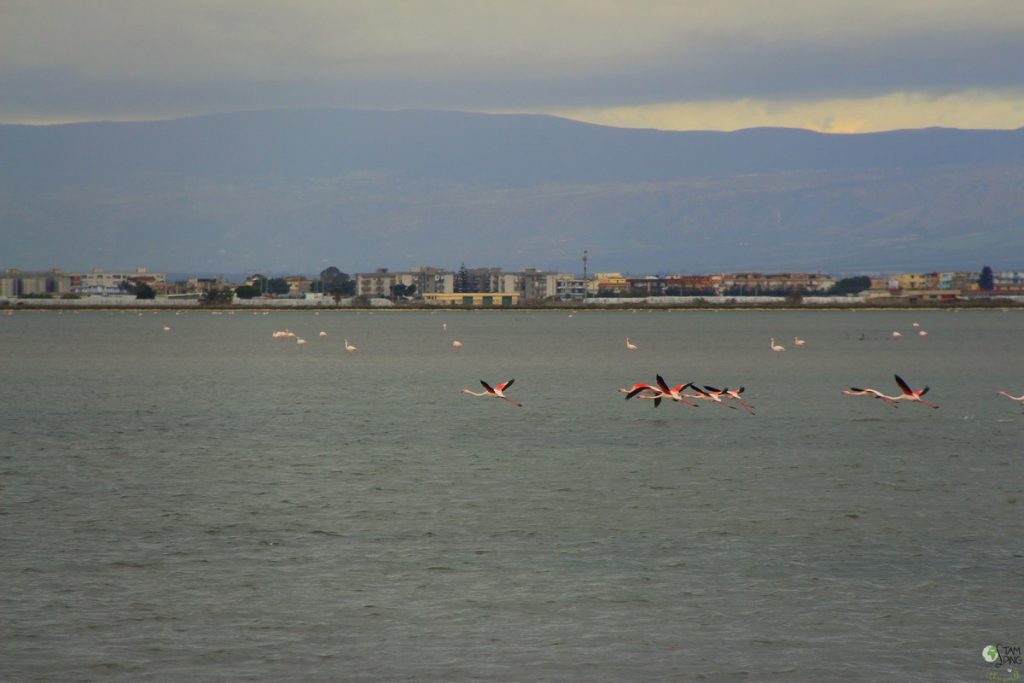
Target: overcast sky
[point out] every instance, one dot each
(832, 65)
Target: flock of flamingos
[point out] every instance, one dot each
(662, 391)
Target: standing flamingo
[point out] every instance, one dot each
(349, 347)
(630, 346)
(493, 392)
(777, 347)
(911, 395)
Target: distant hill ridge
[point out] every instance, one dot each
(406, 187)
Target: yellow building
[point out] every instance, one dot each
(919, 281)
(484, 299)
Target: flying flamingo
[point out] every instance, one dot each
(734, 394)
(630, 346)
(798, 341)
(676, 393)
(710, 394)
(644, 391)
(874, 393)
(777, 347)
(911, 395)
(1018, 399)
(494, 392)
(349, 347)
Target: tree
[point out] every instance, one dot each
(277, 285)
(216, 296)
(336, 283)
(141, 290)
(247, 292)
(986, 281)
(401, 291)
(851, 285)
(461, 283)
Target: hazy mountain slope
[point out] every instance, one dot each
(299, 190)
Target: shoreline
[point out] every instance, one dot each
(9, 308)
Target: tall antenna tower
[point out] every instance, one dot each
(584, 264)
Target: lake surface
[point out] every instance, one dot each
(209, 503)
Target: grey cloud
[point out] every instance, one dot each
(146, 58)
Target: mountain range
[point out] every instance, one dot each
(299, 190)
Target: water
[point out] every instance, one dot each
(213, 504)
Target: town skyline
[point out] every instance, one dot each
(441, 286)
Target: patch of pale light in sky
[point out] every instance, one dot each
(970, 109)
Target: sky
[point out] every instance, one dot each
(827, 65)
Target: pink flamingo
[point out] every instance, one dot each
(644, 391)
(494, 392)
(734, 394)
(911, 395)
(710, 394)
(676, 393)
(1018, 399)
(874, 393)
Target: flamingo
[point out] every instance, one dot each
(734, 394)
(349, 347)
(710, 394)
(167, 328)
(911, 395)
(644, 391)
(896, 334)
(494, 392)
(922, 333)
(1018, 399)
(457, 344)
(676, 393)
(777, 347)
(300, 340)
(874, 393)
(630, 346)
(322, 333)
(798, 341)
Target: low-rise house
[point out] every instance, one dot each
(473, 299)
